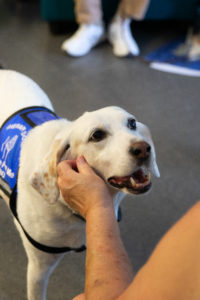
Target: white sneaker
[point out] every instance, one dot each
(85, 38)
(121, 38)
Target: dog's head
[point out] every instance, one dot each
(115, 144)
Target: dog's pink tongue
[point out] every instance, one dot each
(138, 176)
(123, 179)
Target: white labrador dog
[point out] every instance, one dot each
(117, 146)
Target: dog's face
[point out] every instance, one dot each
(116, 145)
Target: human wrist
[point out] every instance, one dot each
(100, 204)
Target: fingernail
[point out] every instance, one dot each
(81, 160)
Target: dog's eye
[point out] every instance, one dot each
(132, 124)
(97, 136)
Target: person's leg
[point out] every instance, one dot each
(120, 35)
(88, 11)
(135, 9)
(91, 30)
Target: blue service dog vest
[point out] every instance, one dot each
(12, 134)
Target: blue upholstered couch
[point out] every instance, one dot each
(61, 10)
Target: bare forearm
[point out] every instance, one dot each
(108, 269)
(173, 270)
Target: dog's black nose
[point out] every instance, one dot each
(140, 150)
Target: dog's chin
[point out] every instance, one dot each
(139, 182)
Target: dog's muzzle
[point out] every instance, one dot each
(138, 182)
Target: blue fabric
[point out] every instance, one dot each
(167, 54)
(60, 10)
(171, 9)
(12, 134)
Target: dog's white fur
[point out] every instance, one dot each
(41, 209)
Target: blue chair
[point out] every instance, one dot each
(63, 10)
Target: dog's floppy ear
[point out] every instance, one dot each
(44, 177)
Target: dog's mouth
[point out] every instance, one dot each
(138, 182)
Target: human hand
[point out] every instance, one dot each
(82, 189)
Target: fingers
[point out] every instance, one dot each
(66, 173)
(83, 166)
(73, 171)
(69, 166)
(63, 167)
(72, 164)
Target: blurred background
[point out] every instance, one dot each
(31, 34)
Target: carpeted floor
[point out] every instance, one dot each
(169, 104)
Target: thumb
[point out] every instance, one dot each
(83, 166)
(66, 168)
